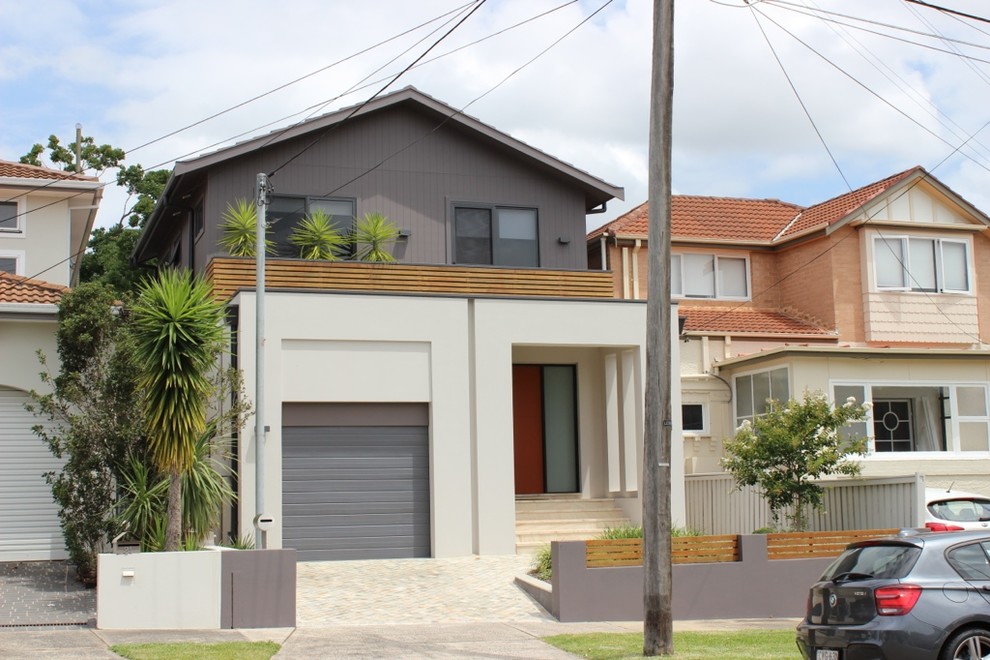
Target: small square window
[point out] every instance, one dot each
(9, 220)
(693, 417)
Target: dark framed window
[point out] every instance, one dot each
(8, 265)
(496, 235)
(197, 220)
(9, 220)
(693, 418)
(285, 212)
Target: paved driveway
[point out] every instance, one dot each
(413, 591)
(34, 593)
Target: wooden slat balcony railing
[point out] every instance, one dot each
(228, 274)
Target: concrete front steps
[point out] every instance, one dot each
(541, 519)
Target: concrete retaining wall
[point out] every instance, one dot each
(207, 589)
(753, 587)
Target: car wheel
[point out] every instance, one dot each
(973, 644)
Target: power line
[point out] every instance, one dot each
(373, 96)
(946, 10)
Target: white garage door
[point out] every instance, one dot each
(29, 529)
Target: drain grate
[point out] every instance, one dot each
(82, 624)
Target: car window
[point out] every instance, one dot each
(961, 510)
(879, 561)
(970, 561)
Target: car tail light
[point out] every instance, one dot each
(896, 600)
(942, 527)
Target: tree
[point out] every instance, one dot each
(238, 227)
(91, 419)
(178, 331)
(95, 157)
(147, 186)
(108, 259)
(785, 450)
(317, 237)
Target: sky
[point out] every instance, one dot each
(799, 100)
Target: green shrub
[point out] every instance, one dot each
(543, 564)
(622, 532)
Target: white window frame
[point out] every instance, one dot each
(735, 390)
(18, 230)
(675, 258)
(18, 257)
(704, 430)
(952, 449)
(879, 243)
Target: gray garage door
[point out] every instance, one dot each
(356, 492)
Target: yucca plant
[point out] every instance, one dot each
(178, 333)
(372, 236)
(143, 500)
(238, 230)
(205, 491)
(317, 237)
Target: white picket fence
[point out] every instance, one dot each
(715, 506)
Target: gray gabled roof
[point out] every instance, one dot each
(595, 189)
(406, 94)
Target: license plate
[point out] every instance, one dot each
(827, 654)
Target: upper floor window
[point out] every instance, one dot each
(912, 263)
(708, 276)
(284, 213)
(755, 391)
(9, 219)
(12, 263)
(496, 235)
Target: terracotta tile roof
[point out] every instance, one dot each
(837, 208)
(20, 171)
(17, 289)
(746, 320)
(732, 219)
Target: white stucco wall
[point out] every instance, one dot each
(44, 239)
(456, 355)
(19, 366)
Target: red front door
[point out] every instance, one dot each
(527, 424)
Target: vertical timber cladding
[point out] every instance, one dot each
(356, 480)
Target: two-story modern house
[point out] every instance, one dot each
(45, 219)
(411, 405)
(879, 294)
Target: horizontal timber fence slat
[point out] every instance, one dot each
(609, 553)
(715, 506)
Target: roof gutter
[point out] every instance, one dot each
(29, 311)
(860, 353)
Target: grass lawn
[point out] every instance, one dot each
(755, 644)
(197, 651)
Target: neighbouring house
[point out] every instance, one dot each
(880, 294)
(443, 405)
(45, 219)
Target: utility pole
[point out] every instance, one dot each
(260, 518)
(658, 626)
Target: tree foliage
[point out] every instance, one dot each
(108, 259)
(786, 450)
(178, 334)
(92, 156)
(91, 419)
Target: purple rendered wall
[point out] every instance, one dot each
(754, 587)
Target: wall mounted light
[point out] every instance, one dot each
(563, 240)
(405, 233)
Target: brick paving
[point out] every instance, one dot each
(43, 593)
(413, 591)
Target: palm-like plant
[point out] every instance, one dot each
(204, 489)
(371, 237)
(317, 237)
(178, 333)
(238, 227)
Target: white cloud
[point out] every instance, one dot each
(134, 71)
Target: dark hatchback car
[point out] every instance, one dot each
(914, 596)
